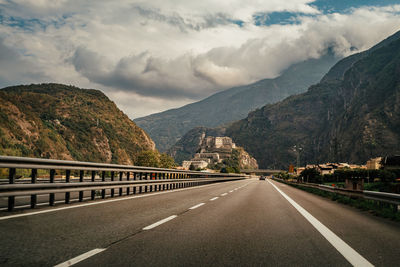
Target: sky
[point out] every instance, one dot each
(153, 55)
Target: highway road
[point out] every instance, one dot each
(242, 223)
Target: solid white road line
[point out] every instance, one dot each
(151, 226)
(224, 194)
(196, 206)
(100, 202)
(79, 258)
(348, 252)
(214, 198)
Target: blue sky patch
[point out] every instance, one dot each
(340, 6)
(325, 6)
(30, 24)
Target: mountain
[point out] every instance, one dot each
(64, 122)
(353, 114)
(167, 127)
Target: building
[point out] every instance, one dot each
(391, 162)
(374, 164)
(197, 164)
(325, 169)
(213, 150)
(299, 170)
(220, 144)
(212, 156)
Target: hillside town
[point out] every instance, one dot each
(389, 162)
(214, 151)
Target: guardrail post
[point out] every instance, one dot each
(140, 178)
(52, 195)
(93, 192)
(81, 173)
(145, 187)
(33, 181)
(67, 180)
(128, 189)
(163, 185)
(120, 178)
(11, 180)
(103, 179)
(112, 179)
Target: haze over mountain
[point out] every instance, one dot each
(353, 114)
(166, 128)
(64, 122)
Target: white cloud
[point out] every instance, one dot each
(162, 54)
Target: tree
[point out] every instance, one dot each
(192, 167)
(166, 161)
(148, 158)
(311, 175)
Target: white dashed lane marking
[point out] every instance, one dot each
(196, 206)
(80, 258)
(154, 225)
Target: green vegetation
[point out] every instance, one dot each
(151, 158)
(229, 165)
(64, 122)
(348, 117)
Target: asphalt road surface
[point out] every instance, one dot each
(242, 223)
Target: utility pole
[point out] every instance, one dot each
(297, 149)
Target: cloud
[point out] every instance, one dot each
(15, 67)
(198, 75)
(176, 20)
(173, 51)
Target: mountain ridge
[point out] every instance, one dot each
(167, 127)
(350, 117)
(65, 122)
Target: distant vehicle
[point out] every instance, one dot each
(262, 177)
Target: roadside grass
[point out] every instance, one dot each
(377, 208)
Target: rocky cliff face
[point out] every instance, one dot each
(246, 162)
(351, 115)
(168, 127)
(64, 122)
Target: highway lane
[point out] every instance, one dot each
(51, 238)
(377, 239)
(253, 225)
(257, 226)
(248, 227)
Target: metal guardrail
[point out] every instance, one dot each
(372, 195)
(101, 178)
